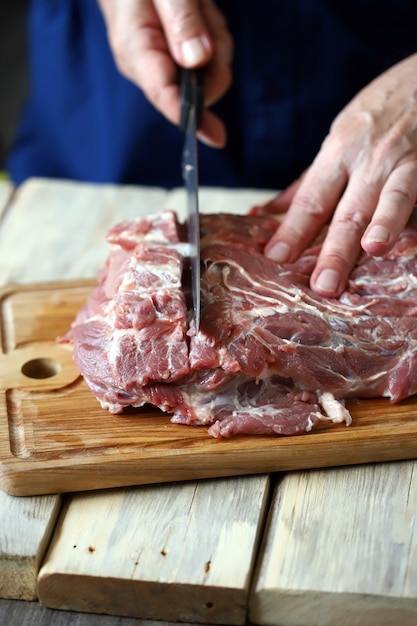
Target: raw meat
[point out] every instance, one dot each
(271, 356)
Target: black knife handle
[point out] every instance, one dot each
(192, 86)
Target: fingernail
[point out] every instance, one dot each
(280, 252)
(328, 281)
(193, 52)
(378, 234)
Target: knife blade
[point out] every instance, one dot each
(192, 100)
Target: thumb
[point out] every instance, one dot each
(186, 31)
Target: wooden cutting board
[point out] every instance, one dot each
(54, 437)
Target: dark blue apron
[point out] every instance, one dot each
(296, 65)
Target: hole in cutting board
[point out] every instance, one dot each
(41, 368)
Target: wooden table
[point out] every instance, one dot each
(335, 546)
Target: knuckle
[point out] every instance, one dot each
(184, 23)
(121, 46)
(335, 145)
(343, 237)
(311, 206)
(118, 46)
(399, 193)
(354, 221)
(336, 259)
(166, 101)
(121, 60)
(289, 233)
(184, 20)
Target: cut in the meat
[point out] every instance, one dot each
(271, 356)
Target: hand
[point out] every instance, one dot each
(150, 37)
(364, 179)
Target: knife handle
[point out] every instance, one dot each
(192, 94)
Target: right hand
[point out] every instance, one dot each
(150, 38)
(362, 183)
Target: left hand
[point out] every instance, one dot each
(364, 178)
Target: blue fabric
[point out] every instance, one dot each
(296, 65)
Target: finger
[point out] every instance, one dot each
(186, 31)
(393, 210)
(312, 205)
(341, 246)
(162, 89)
(197, 35)
(212, 131)
(187, 24)
(158, 77)
(141, 52)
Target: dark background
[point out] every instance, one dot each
(13, 68)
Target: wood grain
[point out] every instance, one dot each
(26, 526)
(51, 230)
(55, 230)
(144, 561)
(54, 436)
(340, 548)
(364, 507)
(63, 224)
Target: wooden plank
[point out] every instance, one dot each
(56, 229)
(341, 548)
(53, 229)
(182, 552)
(217, 497)
(63, 224)
(26, 526)
(359, 514)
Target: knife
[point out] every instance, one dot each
(192, 101)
